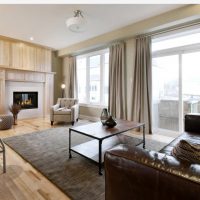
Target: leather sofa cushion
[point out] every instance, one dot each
(192, 122)
(62, 111)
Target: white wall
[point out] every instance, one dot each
(12, 86)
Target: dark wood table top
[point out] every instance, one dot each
(98, 131)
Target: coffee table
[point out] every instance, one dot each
(95, 149)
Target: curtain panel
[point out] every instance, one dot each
(117, 99)
(142, 83)
(70, 77)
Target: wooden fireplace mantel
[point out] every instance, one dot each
(20, 75)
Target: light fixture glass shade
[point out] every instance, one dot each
(76, 24)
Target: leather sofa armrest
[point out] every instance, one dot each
(192, 122)
(134, 173)
(75, 112)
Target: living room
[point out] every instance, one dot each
(99, 100)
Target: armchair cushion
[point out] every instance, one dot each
(62, 111)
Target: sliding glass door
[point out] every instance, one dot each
(175, 89)
(175, 78)
(191, 82)
(165, 94)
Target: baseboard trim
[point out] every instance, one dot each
(91, 118)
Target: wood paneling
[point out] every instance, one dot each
(40, 59)
(29, 57)
(48, 60)
(19, 55)
(4, 53)
(2, 91)
(49, 92)
(43, 60)
(16, 53)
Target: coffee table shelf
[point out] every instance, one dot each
(85, 150)
(90, 149)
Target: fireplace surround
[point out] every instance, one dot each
(26, 87)
(16, 80)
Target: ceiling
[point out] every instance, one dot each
(46, 23)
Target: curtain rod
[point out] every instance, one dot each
(90, 50)
(173, 28)
(101, 47)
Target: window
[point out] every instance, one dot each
(175, 79)
(176, 40)
(92, 76)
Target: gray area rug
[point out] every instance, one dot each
(47, 151)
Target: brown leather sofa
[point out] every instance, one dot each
(132, 173)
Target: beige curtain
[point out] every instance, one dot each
(141, 107)
(117, 101)
(70, 77)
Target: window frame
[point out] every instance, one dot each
(101, 103)
(179, 51)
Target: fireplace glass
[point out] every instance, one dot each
(27, 100)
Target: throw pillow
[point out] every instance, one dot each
(66, 104)
(71, 103)
(187, 150)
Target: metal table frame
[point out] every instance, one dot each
(100, 143)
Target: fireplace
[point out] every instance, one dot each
(27, 100)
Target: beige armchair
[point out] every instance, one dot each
(66, 110)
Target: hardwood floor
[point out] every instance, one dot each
(22, 181)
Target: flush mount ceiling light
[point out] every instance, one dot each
(76, 23)
(31, 38)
